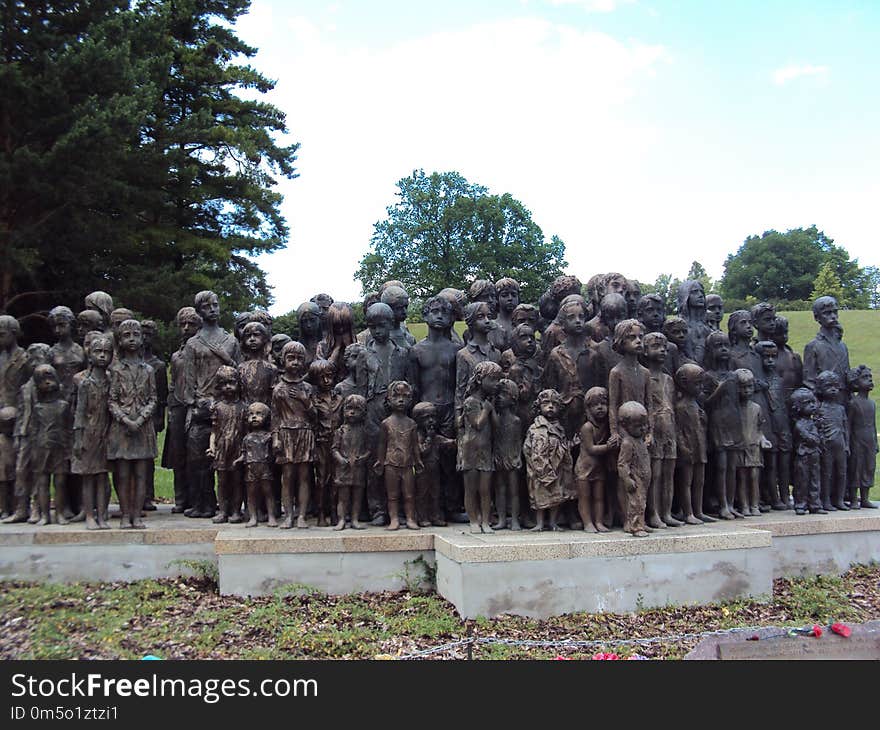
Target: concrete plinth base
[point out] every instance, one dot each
(548, 575)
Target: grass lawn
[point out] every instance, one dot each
(188, 619)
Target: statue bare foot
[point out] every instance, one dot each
(301, 523)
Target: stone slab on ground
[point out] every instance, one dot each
(547, 574)
(804, 545)
(775, 643)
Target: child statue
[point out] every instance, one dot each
(478, 349)
(615, 285)
(309, 320)
(652, 312)
(628, 380)
(612, 311)
(633, 465)
(256, 456)
(827, 351)
(862, 438)
(753, 425)
(328, 411)
(398, 454)
(48, 444)
(568, 368)
(524, 370)
(691, 442)
(66, 356)
(807, 449)
(131, 439)
(91, 426)
(338, 338)
(776, 475)
(380, 363)
(676, 330)
(475, 443)
(14, 369)
(833, 426)
(725, 422)
(278, 342)
(714, 312)
(692, 306)
(256, 373)
(507, 290)
(740, 330)
(507, 443)
(397, 298)
(548, 462)
(592, 467)
(661, 395)
(350, 455)
(7, 462)
(789, 364)
(293, 437)
(632, 295)
(350, 384)
(224, 446)
(428, 483)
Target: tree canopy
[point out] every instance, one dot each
(135, 164)
(445, 231)
(784, 266)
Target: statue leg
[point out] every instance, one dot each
(652, 518)
(140, 472)
(409, 498)
(584, 487)
(304, 470)
(392, 490)
(485, 482)
(287, 494)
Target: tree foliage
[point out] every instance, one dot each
(783, 266)
(445, 231)
(135, 164)
(827, 283)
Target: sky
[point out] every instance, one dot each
(645, 133)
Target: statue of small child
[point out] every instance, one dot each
(350, 384)
(293, 437)
(328, 411)
(256, 372)
(592, 467)
(714, 311)
(351, 454)
(676, 330)
(524, 370)
(91, 425)
(691, 446)
(634, 465)
(131, 439)
(398, 454)
(507, 444)
(833, 426)
(428, 483)
(862, 438)
(278, 342)
(48, 441)
(807, 449)
(725, 422)
(568, 369)
(661, 395)
(256, 456)
(227, 430)
(604, 358)
(776, 475)
(7, 462)
(548, 462)
(754, 441)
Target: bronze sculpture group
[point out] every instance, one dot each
(590, 410)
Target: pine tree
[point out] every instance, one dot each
(827, 284)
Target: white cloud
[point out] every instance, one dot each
(522, 106)
(788, 73)
(595, 6)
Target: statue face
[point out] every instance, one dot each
(400, 308)
(573, 320)
(780, 332)
(294, 362)
(714, 311)
(526, 316)
(100, 354)
(550, 409)
(491, 298)
(278, 345)
(130, 340)
(766, 322)
(353, 412)
(655, 350)
(489, 385)
(721, 350)
(746, 389)
(61, 328)
(865, 381)
(482, 322)
(678, 333)
(638, 426)
(633, 342)
(697, 297)
(768, 359)
(439, 317)
(256, 417)
(525, 345)
(598, 410)
(310, 324)
(380, 330)
(210, 310)
(616, 285)
(149, 333)
(428, 422)
(323, 301)
(399, 400)
(188, 328)
(827, 388)
(325, 382)
(827, 316)
(508, 300)
(229, 389)
(743, 329)
(254, 340)
(350, 359)
(652, 315)
(47, 383)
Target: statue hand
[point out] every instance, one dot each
(379, 468)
